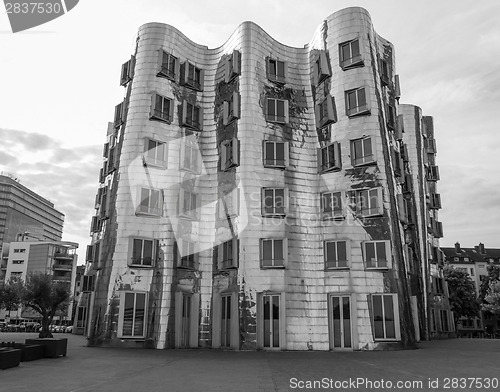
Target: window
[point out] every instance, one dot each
(150, 202)
(193, 76)
(188, 204)
(17, 261)
(162, 108)
(403, 208)
(397, 162)
(119, 115)
(87, 283)
(105, 150)
(19, 250)
(192, 116)
(336, 254)
(445, 325)
(350, 54)
(321, 68)
(168, 65)
(143, 252)
(377, 254)
(391, 116)
(472, 271)
(369, 202)
(432, 173)
(96, 224)
(277, 110)
(127, 71)
(329, 158)
(326, 112)
(96, 256)
(430, 146)
(230, 153)
(155, 153)
(435, 201)
(274, 201)
(276, 153)
(273, 252)
(385, 74)
(112, 163)
(89, 255)
(231, 109)
(331, 205)
(362, 152)
(356, 102)
(190, 157)
(227, 254)
(103, 202)
(229, 204)
(132, 314)
(187, 256)
(277, 71)
(385, 316)
(399, 129)
(232, 65)
(15, 275)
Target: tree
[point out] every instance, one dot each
(45, 296)
(492, 298)
(10, 295)
(462, 294)
(493, 275)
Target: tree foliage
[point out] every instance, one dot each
(492, 298)
(45, 296)
(10, 295)
(462, 293)
(493, 276)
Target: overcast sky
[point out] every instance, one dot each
(59, 84)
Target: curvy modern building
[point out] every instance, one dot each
(251, 197)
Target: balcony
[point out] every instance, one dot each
(64, 254)
(62, 267)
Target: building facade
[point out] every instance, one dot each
(474, 261)
(25, 214)
(252, 197)
(424, 202)
(56, 258)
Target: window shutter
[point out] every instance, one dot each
(90, 253)
(181, 201)
(402, 209)
(380, 201)
(287, 153)
(184, 72)
(235, 250)
(287, 114)
(159, 61)
(317, 116)
(338, 155)
(220, 254)
(287, 203)
(236, 151)
(315, 74)
(236, 105)
(262, 201)
(332, 109)
(388, 253)
(223, 156)
(184, 111)
(236, 62)
(200, 118)
(171, 110)
(225, 111)
(268, 67)
(397, 87)
(285, 66)
(264, 152)
(324, 63)
(153, 103)
(348, 251)
(285, 251)
(131, 69)
(227, 70)
(236, 201)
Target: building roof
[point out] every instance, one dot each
(475, 255)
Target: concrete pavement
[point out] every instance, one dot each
(115, 369)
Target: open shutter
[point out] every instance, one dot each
(235, 252)
(287, 114)
(200, 118)
(171, 110)
(285, 66)
(319, 156)
(184, 72)
(268, 67)
(285, 251)
(236, 62)
(223, 155)
(287, 203)
(380, 201)
(315, 73)
(90, 253)
(202, 79)
(184, 112)
(317, 115)
(338, 155)
(397, 87)
(159, 61)
(235, 145)
(236, 105)
(153, 103)
(225, 113)
(287, 153)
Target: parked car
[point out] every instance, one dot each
(3, 326)
(69, 329)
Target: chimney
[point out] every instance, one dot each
(481, 248)
(457, 247)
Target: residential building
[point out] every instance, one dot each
(25, 214)
(57, 258)
(252, 197)
(424, 202)
(474, 261)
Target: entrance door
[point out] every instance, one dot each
(225, 338)
(271, 321)
(341, 321)
(186, 320)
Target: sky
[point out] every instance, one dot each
(59, 84)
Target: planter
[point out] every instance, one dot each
(30, 352)
(52, 347)
(9, 357)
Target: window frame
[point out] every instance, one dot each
(322, 69)
(334, 213)
(332, 149)
(232, 65)
(159, 160)
(132, 263)
(127, 71)
(171, 72)
(275, 118)
(229, 202)
(273, 261)
(359, 109)
(387, 263)
(149, 210)
(192, 118)
(273, 71)
(160, 114)
(364, 159)
(231, 109)
(347, 261)
(370, 211)
(228, 248)
(230, 153)
(194, 152)
(326, 112)
(195, 82)
(353, 61)
(121, 314)
(119, 118)
(269, 162)
(395, 312)
(190, 261)
(274, 213)
(192, 213)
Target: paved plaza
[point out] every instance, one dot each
(122, 370)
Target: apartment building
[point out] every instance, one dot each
(252, 197)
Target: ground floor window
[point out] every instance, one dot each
(385, 317)
(132, 316)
